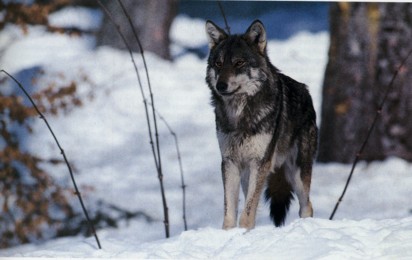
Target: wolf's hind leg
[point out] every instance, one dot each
(301, 186)
(304, 162)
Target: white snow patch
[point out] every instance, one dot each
(78, 17)
(302, 239)
(188, 31)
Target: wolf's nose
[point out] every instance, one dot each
(221, 86)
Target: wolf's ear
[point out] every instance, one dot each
(256, 34)
(214, 34)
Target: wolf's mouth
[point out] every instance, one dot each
(225, 93)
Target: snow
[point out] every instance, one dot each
(302, 239)
(190, 36)
(106, 140)
(78, 17)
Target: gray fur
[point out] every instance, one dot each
(265, 124)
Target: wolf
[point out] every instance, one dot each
(265, 125)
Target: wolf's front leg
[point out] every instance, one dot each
(231, 185)
(257, 179)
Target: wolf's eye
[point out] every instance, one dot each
(218, 64)
(240, 63)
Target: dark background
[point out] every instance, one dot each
(281, 19)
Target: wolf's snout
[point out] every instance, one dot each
(221, 87)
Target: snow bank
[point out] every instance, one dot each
(302, 239)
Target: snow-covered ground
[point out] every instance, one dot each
(106, 139)
(302, 239)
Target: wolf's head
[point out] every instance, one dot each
(237, 64)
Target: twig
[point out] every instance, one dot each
(179, 158)
(224, 17)
(77, 192)
(159, 169)
(155, 156)
(378, 113)
(137, 74)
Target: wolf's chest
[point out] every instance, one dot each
(243, 115)
(243, 148)
(234, 111)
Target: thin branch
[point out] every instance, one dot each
(109, 15)
(378, 113)
(148, 83)
(179, 158)
(77, 192)
(155, 156)
(159, 169)
(224, 17)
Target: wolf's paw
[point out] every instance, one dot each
(228, 224)
(307, 211)
(247, 222)
(227, 227)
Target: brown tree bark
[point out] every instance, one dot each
(152, 20)
(368, 43)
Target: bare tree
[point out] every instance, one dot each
(152, 20)
(368, 43)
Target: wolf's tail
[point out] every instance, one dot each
(279, 193)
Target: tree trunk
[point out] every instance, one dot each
(151, 19)
(368, 43)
